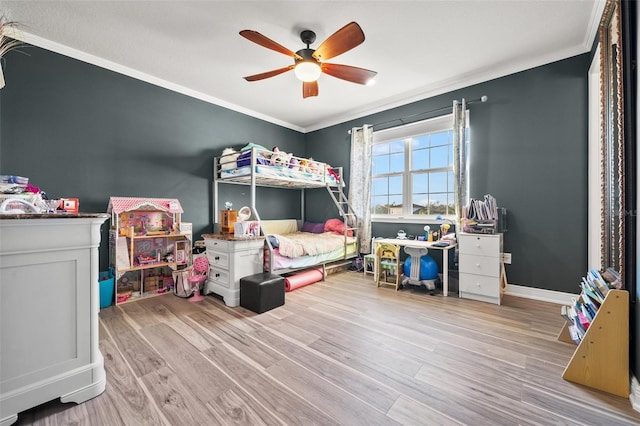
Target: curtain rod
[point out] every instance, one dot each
(401, 119)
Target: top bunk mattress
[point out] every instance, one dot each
(275, 168)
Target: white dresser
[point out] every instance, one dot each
(231, 259)
(49, 304)
(480, 264)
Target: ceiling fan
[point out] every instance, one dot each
(309, 63)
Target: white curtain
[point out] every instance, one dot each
(360, 183)
(460, 166)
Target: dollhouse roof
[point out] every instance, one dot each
(125, 204)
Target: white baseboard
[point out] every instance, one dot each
(634, 396)
(552, 296)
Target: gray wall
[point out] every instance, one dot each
(77, 130)
(529, 150)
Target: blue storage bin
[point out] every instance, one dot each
(106, 281)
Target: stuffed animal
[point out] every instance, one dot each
(228, 159)
(280, 158)
(313, 166)
(304, 165)
(333, 173)
(294, 164)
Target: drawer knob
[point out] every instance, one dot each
(217, 258)
(217, 275)
(478, 265)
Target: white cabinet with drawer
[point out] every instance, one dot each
(480, 264)
(229, 260)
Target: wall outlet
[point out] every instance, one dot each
(506, 258)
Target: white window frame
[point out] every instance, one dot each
(406, 132)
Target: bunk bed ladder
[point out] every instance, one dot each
(343, 205)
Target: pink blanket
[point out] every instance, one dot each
(305, 243)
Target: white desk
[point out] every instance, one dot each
(429, 245)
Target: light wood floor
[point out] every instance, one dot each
(338, 352)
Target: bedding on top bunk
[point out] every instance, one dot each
(274, 165)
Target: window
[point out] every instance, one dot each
(412, 170)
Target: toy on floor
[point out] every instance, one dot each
(420, 269)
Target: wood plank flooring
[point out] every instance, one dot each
(339, 352)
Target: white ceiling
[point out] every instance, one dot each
(418, 48)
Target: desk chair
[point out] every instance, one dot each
(388, 264)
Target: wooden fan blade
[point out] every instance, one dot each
(263, 41)
(348, 73)
(268, 74)
(346, 38)
(309, 88)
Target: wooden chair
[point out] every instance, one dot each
(387, 264)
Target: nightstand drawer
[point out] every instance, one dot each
(479, 284)
(479, 265)
(218, 259)
(219, 277)
(480, 245)
(213, 244)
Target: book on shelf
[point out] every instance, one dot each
(584, 308)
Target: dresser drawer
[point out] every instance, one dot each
(219, 277)
(481, 245)
(213, 244)
(479, 284)
(479, 265)
(218, 259)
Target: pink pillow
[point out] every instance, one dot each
(336, 226)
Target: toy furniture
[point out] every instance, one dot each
(198, 276)
(261, 292)
(388, 264)
(146, 243)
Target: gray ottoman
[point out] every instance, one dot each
(261, 292)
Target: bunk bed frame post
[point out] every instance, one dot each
(216, 209)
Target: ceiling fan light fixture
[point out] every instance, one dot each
(307, 71)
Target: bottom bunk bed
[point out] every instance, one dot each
(288, 249)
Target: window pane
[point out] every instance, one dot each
(395, 186)
(419, 183)
(396, 163)
(437, 182)
(420, 159)
(379, 205)
(419, 142)
(439, 157)
(380, 164)
(396, 146)
(379, 186)
(439, 139)
(438, 204)
(380, 148)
